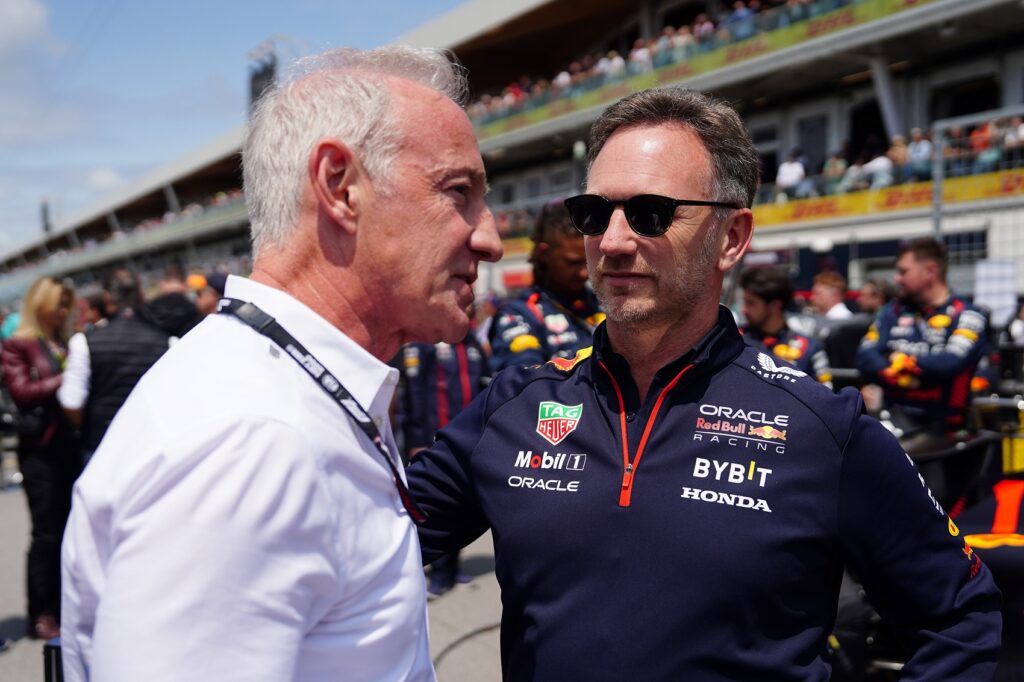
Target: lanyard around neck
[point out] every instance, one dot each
(269, 327)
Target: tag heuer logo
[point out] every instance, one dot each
(556, 421)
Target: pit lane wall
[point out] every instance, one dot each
(757, 46)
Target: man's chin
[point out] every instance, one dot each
(454, 329)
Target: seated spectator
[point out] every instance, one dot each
(855, 178)
(1013, 141)
(879, 171)
(986, 154)
(897, 153)
(957, 153)
(739, 22)
(703, 29)
(833, 171)
(616, 65)
(919, 157)
(662, 51)
(790, 174)
(640, 57)
(683, 43)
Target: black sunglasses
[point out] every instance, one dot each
(649, 215)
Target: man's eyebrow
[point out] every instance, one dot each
(475, 175)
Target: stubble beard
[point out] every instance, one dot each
(675, 296)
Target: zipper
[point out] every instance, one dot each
(629, 467)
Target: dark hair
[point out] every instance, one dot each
(734, 159)
(768, 284)
(552, 223)
(884, 287)
(927, 248)
(124, 288)
(98, 302)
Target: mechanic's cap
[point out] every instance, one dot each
(217, 281)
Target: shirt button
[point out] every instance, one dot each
(630, 416)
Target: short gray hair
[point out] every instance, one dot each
(342, 93)
(734, 159)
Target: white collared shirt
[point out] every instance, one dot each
(234, 525)
(838, 312)
(74, 388)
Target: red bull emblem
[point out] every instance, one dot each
(566, 364)
(556, 421)
(767, 432)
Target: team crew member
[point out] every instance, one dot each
(767, 294)
(246, 516)
(557, 316)
(439, 381)
(925, 345)
(673, 504)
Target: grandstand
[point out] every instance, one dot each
(835, 79)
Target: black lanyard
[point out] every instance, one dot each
(269, 327)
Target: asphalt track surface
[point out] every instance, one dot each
(463, 622)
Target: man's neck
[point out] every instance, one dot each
(938, 295)
(772, 326)
(327, 298)
(648, 348)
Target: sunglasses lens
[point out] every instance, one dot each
(589, 213)
(649, 215)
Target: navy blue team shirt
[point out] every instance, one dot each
(699, 533)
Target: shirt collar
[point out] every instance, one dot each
(715, 350)
(370, 381)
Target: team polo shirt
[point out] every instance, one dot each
(699, 532)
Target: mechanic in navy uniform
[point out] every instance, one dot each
(923, 349)
(438, 381)
(767, 294)
(672, 504)
(556, 317)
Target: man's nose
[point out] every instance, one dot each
(484, 241)
(619, 239)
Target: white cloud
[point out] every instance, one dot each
(23, 23)
(103, 179)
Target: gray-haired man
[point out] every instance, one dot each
(245, 517)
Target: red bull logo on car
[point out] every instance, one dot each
(555, 421)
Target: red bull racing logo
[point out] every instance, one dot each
(556, 421)
(766, 432)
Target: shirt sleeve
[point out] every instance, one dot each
(873, 352)
(441, 482)
(914, 563)
(213, 567)
(963, 349)
(74, 390)
(516, 340)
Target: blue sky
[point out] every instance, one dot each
(94, 93)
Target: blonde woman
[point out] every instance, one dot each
(33, 365)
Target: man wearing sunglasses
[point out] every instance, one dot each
(675, 505)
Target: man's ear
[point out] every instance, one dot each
(334, 176)
(541, 252)
(736, 236)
